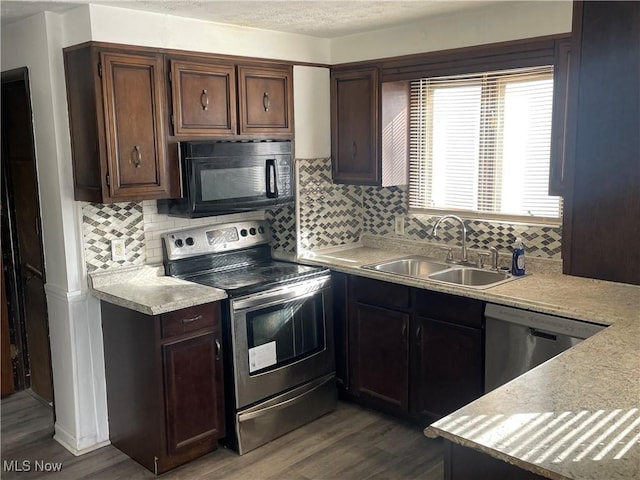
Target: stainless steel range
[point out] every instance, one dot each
(277, 324)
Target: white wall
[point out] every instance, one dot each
(497, 22)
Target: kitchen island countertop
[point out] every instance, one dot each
(146, 290)
(577, 416)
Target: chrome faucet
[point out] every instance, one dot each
(464, 233)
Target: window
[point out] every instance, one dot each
(481, 143)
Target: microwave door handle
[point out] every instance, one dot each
(271, 179)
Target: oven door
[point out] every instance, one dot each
(281, 339)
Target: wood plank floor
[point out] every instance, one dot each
(350, 443)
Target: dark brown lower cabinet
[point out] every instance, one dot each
(411, 352)
(447, 367)
(339, 285)
(164, 380)
(462, 463)
(381, 355)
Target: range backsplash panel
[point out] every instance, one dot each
(330, 214)
(103, 223)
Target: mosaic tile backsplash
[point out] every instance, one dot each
(333, 215)
(103, 223)
(382, 204)
(330, 214)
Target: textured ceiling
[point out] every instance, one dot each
(320, 18)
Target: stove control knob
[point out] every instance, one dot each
(179, 243)
(260, 230)
(243, 232)
(189, 241)
(252, 231)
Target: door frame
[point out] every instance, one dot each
(10, 247)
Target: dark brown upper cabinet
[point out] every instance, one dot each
(203, 98)
(600, 228)
(355, 126)
(265, 100)
(117, 109)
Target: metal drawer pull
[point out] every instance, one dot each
(266, 103)
(189, 320)
(218, 348)
(418, 332)
(137, 161)
(204, 100)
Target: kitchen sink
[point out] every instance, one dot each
(432, 269)
(419, 267)
(472, 277)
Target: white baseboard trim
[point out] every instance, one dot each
(67, 441)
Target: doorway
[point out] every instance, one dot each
(22, 251)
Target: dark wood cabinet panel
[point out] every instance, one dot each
(464, 463)
(376, 292)
(192, 387)
(339, 286)
(355, 132)
(203, 98)
(117, 109)
(165, 396)
(265, 100)
(380, 359)
(602, 200)
(447, 367)
(449, 308)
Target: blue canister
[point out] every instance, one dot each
(517, 259)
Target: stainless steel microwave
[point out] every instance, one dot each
(232, 177)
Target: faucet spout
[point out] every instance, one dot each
(463, 232)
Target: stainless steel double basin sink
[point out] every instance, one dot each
(426, 268)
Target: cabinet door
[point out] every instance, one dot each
(133, 100)
(204, 98)
(355, 127)
(380, 355)
(266, 100)
(602, 201)
(193, 392)
(447, 366)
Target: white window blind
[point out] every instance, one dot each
(481, 143)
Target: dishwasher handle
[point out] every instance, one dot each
(540, 334)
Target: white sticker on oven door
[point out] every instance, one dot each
(262, 356)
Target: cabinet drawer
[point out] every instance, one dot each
(449, 308)
(190, 319)
(376, 292)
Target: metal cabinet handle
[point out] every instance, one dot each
(418, 332)
(354, 150)
(189, 320)
(404, 330)
(218, 349)
(137, 156)
(204, 99)
(266, 103)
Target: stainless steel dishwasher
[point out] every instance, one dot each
(518, 340)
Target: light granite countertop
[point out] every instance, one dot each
(576, 416)
(146, 290)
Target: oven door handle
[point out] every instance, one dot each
(257, 303)
(271, 178)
